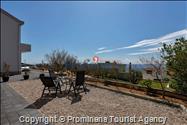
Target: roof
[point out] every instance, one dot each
(149, 68)
(11, 16)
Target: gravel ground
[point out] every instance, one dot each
(98, 103)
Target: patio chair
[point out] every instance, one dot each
(56, 77)
(50, 84)
(79, 82)
(52, 74)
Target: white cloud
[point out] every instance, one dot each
(141, 43)
(155, 49)
(140, 53)
(150, 42)
(102, 48)
(147, 51)
(104, 51)
(164, 39)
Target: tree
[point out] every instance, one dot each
(59, 60)
(114, 71)
(71, 62)
(130, 72)
(175, 56)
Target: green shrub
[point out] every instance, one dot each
(136, 76)
(180, 88)
(114, 74)
(123, 76)
(175, 56)
(147, 83)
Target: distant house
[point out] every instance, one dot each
(150, 73)
(11, 46)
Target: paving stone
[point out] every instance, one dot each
(18, 123)
(13, 106)
(33, 113)
(23, 113)
(13, 117)
(5, 121)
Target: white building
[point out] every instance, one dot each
(11, 46)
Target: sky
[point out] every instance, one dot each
(123, 31)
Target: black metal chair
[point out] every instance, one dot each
(52, 74)
(50, 84)
(79, 82)
(55, 76)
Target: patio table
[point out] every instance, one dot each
(65, 80)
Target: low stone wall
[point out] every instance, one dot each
(11, 73)
(137, 87)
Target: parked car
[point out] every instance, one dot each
(25, 68)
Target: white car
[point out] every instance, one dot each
(25, 68)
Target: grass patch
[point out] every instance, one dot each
(157, 85)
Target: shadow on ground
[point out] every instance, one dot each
(74, 98)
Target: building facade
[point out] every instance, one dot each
(11, 46)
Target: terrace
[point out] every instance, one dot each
(23, 97)
(137, 75)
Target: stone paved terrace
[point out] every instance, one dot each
(97, 102)
(19, 96)
(13, 106)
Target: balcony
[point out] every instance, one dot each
(25, 47)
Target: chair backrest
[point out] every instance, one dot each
(80, 77)
(47, 81)
(52, 74)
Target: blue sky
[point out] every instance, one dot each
(124, 31)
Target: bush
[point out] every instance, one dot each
(114, 74)
(147, 83)
(175, 56)
(166, 79)
(123, 76)
(180, 88)
(136, 76)
(61, 60)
